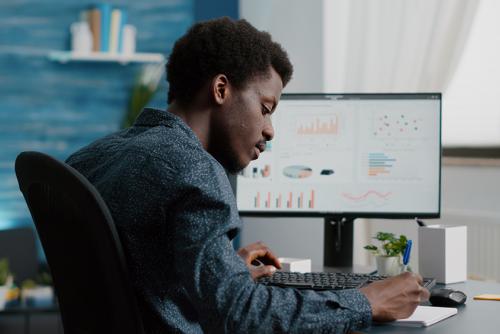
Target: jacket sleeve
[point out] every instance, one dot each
(220, 287)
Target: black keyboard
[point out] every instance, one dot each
(326, 280)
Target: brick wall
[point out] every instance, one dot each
(57, 108)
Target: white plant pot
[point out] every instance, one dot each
(3, 296)
(39, 296)
(389, 265)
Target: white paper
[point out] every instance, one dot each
(425, 316)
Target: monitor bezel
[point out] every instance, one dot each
(360, 214)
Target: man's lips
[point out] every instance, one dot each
(257, 152)
(261, 147)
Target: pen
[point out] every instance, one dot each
(406, 254)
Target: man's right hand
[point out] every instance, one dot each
(396, 297)
(258, 250)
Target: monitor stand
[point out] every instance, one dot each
(338, 244)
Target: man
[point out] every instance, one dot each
(164, 182)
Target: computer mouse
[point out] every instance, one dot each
(447, 297)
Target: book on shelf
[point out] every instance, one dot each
(114, 30)
(94, 19)
(123, 22)
(106, 25)
(105, 10)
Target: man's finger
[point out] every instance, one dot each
(263, 271)
(425, 294)
(419, 278)
(271, 258)
(261, 251)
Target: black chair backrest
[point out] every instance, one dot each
(82, 247)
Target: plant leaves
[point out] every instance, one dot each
(391, 246)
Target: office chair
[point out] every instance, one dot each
(82, 247)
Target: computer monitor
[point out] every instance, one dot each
(347, 156)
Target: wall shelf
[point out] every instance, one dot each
(68, 56)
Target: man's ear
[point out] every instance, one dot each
(220, 88)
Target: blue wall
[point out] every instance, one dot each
(57, 108)
(205, 10)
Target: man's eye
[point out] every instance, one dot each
(265, 110)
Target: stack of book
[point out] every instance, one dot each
(106, 25)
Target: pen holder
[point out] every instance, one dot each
(443, 253)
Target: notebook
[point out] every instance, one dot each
(425, 316)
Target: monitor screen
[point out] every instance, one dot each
(352, 155)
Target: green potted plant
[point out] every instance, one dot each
(388, 255)
(5, 281)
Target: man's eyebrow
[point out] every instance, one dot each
(271, 99)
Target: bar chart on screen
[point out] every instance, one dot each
(319, 126)
(400, 165)
(379, 164)
(285, 200)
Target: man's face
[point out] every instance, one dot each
(244, 125)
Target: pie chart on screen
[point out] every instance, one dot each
(297, 171)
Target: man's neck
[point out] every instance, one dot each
(197, 118)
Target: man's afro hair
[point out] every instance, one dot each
(222, 46)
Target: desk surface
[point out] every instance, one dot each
(476, 316)
(25, 309)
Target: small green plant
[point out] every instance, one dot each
(4, 271)
(143, 90)
(391, 246)
(43, 278)
(28, 284)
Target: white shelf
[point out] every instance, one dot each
(68, 56)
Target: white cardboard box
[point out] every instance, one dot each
(443, 252)
(298, 265)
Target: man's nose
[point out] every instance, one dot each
(268, 131)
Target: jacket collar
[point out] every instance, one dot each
(151, 117)
(155, 117)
